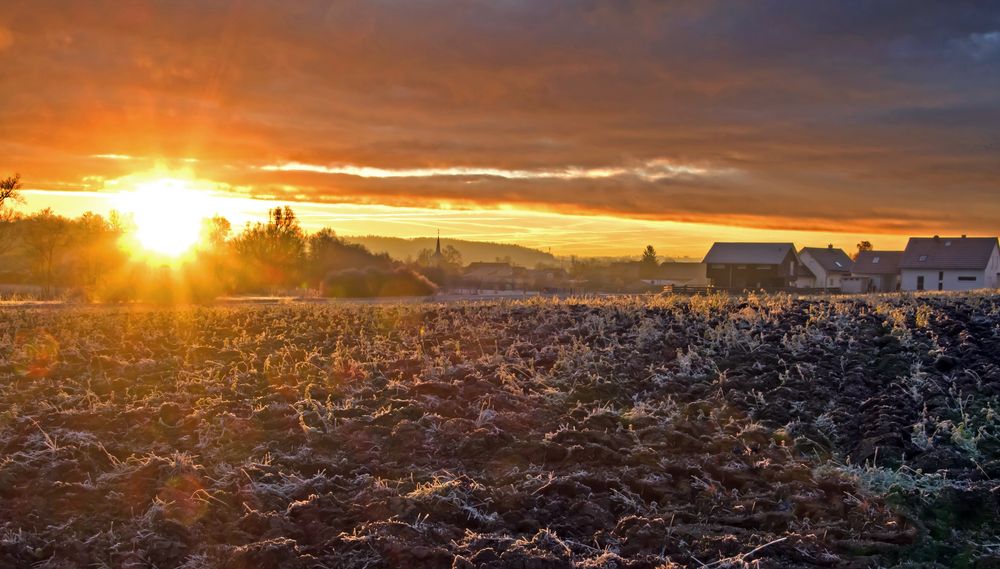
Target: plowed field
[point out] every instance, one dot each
(629, 433)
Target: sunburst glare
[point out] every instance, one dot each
(167, 214)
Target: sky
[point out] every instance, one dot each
(580, 126)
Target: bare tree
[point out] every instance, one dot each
(45, 235)
(450, 257)
(9, 189)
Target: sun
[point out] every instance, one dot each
(167, 214)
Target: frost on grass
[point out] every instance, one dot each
(709, 431)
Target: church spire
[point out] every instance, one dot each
(437, 250)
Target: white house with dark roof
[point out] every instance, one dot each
(827, 264)
(950, 263)
(880, 268)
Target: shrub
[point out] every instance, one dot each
(354, 283)
(139, 283)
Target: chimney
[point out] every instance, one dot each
(937, 238)
(830, 246)
(963, 236)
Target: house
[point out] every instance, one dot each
(626, 270)
(827, 264)
(751, 265)
(548, 279)
(804, 278)
(950, 263)
(856, 285)
(880, 268)
(678, 274)
(495, 276)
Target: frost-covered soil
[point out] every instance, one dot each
(701, 432)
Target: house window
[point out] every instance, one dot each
(763, 267)
(940, 275)
(920, 282)
(967, 279)
(838, 264)
(875, 260)
(922, 258)
(940, 286)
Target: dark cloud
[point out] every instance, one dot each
(835, 115)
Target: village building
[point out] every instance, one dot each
(495, 276)
(628, 271)
(804, 278)
(950, 263)
(678, 274)
(827, 264)
(751, 265)
(874, 271)
(437, 259)
(549, 279)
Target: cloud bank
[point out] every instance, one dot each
(834, 116)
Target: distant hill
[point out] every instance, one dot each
(472, 251)
(661, 258)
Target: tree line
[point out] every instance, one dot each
(84, 257)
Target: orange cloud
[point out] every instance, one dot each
(839, 118)
(6, 38)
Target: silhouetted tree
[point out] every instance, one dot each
(450, 257)
(44, 235)
(10, 189)
(327, 253)
(322, 254)
(215, 231)
(864, 246)
(214, 264)
(440, 270)
(269, 256)
(376, 282)
(93, 252)
(648, 263)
